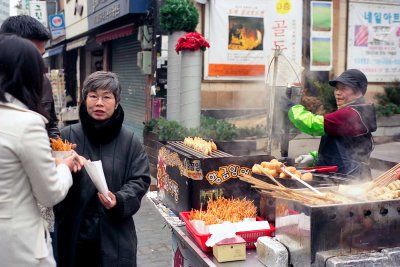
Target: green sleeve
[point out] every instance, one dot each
(306, 121)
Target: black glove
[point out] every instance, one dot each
(285, 104)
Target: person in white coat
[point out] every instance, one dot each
(28, 172)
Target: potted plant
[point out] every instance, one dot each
(178, 15)
(389, 101)
(192, 41)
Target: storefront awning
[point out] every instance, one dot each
(77, 43)
(54, 51)
(116, 33)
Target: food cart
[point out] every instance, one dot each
(187, 178)
(313, 235)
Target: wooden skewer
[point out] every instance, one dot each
(385, 178)
(269, 175)
(323, 197)
(348, 198)
(283, 168)
(296, 197)
(273, 190)
(387, 174)
(252, 180)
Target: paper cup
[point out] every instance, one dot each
(61, 154)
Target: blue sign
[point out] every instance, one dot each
(57, 25)
(101, 12)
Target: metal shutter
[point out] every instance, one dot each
(123, 62)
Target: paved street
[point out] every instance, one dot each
(154, 237)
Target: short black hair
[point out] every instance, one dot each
(105, 80)
(26, 27)
(21, 71)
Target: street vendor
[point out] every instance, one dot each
(346, 139)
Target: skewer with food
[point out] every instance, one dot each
(201, 145)
(274, 168)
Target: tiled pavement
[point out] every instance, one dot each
(154, 237)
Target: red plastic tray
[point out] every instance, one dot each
(249, 236)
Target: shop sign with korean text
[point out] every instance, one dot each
(57, 25)
(38, 10)
(374, 40)
(244, 34)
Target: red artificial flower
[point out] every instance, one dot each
(191, 41)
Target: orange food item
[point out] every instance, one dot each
(222, 209)
(58, 144)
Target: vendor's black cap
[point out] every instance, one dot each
(352, 78)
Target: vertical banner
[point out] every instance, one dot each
(374, 41)
(243, 34)
(38, 10)
(321, 36)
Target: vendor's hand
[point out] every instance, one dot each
(397, 174)
(74, 162)
(285, 104)
(106, 203)
(304, 160)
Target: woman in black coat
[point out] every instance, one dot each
(92, 231)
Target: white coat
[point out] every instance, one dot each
(28, 174)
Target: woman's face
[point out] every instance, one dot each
(344, 94)
(101, 104)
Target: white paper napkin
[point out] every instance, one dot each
(96, 174)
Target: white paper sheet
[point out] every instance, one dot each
(225, 230)
(228, 230)
(96, 174)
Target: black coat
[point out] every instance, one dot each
(126, 170)
(47, 102)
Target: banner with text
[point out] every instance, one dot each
(38, 10)
(374, 41)
(244, 35)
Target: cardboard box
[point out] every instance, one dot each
(230, 249)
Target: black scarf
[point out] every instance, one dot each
(101, 132)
